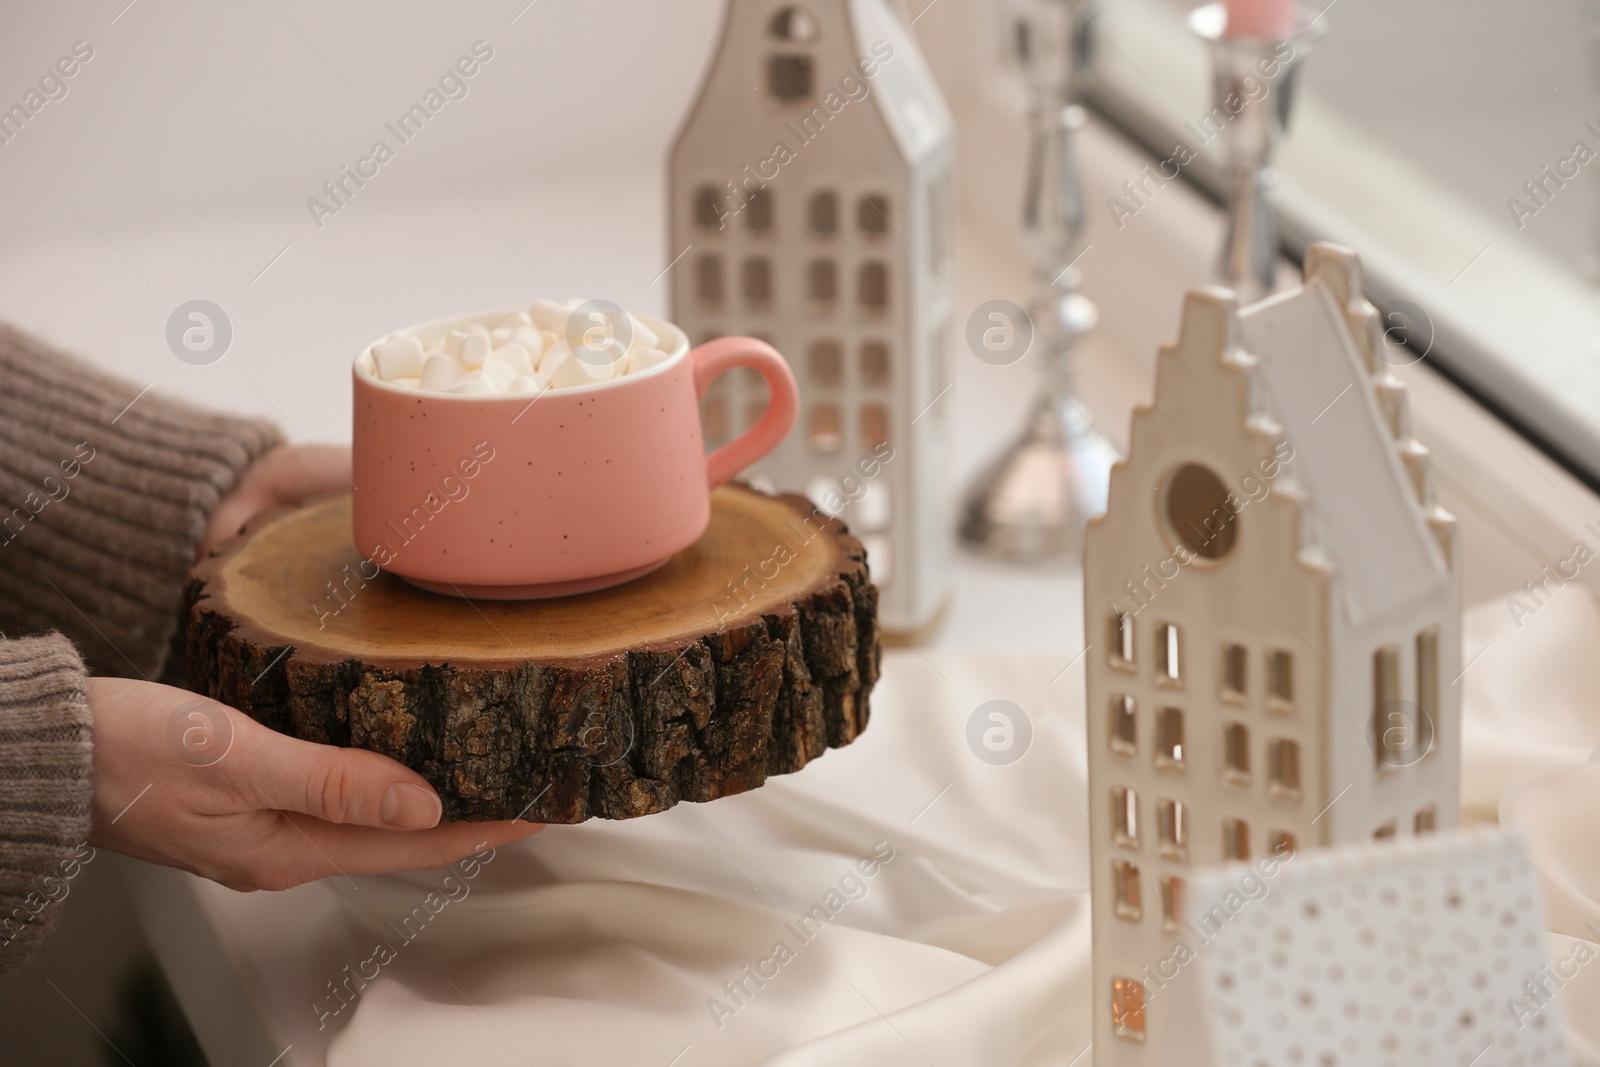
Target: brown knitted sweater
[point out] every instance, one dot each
(104, 495)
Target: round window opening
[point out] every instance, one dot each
(1198, 512)
(794, 24)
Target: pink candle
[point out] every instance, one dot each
(1271, 19)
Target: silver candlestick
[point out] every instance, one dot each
(1031, 503)
(1252, 86)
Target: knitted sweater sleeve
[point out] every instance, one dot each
(44, 787)
(105, 491)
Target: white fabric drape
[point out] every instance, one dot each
(614, 943)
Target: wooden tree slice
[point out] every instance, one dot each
(748, 654)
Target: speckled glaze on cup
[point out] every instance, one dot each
(504, 497)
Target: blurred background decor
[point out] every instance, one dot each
(1030, 503)
(810, 206)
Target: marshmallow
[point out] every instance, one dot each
(596, 329)
(549, 315)
(641, 336)
(644, 358)
(514, 356)
(457, 338)
(475, 348)
(524, 354)
(607, 359)
(531, 339)
(566, 370)
(474, 384)
(440, 372)
(498, 373)
(397, 356)
(528, 383)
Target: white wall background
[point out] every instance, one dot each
(190, 110)
(179, 164)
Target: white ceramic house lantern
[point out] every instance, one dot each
(810, 201)
(1427, 951)
(1273, 603)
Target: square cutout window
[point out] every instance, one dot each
(1172, 828)
(1125, 888)
(1427, 820)
(825, 364)
(874, 363)
(1124, 817)
(1235, 839)
(1124, 725)
(748, 382)
(708, 279)
(756, 281)
(1127, 1009)
(1235, 662)
(1169, 739)
(1171, 903)
(1386, 832)
(708, 208)
(824, 493)
(874, 426)
(874, 508)
(872, 288)
(1236, 754)
(714, 418)
(822, 282)
(1169, 656)
(1283, 768)
(822, 213)
(789, 76)
(1427, 690)
(823, 431)
(1119, 640)
(758, 211)
(1390, 722)
(793, 24)
(1280, 682)
(872, 215)
(880, 559)
(1281, 843)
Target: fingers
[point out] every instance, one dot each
(289, 474)
(302, 472)
(337, 785)
(301, 849)
(231, 515)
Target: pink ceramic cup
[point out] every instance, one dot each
(579, 489)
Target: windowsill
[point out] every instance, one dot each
(1508, 321)
(1137, 276)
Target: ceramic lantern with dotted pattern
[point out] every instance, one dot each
(810, 206)
(1427, 951)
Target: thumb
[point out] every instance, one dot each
(299, 473)
(337, 785)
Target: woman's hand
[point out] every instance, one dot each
(187, 782)
(289, 474)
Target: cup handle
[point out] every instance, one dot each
(783, 404)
